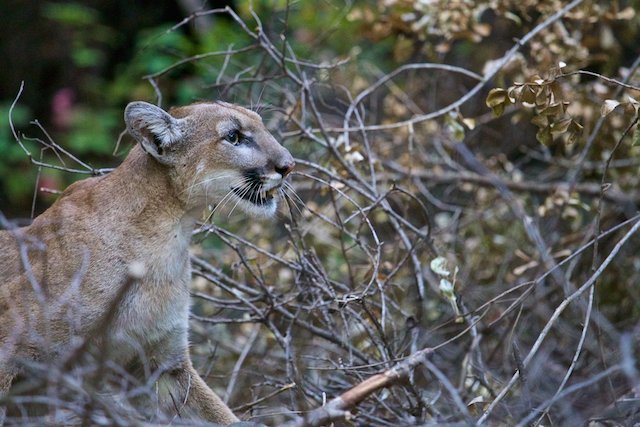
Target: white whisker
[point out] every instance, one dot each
(290, 201)
(243, 192)
(299, 207)
(204, 181)
(229, 195)
(289, 187)
(233, 193)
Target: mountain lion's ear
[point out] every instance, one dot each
(155, 129)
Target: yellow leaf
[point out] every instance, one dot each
(497, 100)
(496, 97)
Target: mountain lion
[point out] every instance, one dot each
(103, 275)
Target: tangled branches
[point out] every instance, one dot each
(528, 315)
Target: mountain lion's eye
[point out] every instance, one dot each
(233, 137)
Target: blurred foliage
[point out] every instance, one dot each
(15, 185)
(88, 116)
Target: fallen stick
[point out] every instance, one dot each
(339, 407)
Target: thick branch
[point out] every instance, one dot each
(339, 407)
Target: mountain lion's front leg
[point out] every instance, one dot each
(183, 392)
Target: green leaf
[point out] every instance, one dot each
(636, 137)
(86, 57)
(70, 13)
(446, 287)
(544, 136)
(439, 266)
(454, 127)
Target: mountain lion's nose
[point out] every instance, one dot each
(285, 167)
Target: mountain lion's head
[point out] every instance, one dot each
(215, 153)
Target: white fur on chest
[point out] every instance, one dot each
(149, 319)
(156, 309)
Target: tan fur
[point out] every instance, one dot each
(60, 275)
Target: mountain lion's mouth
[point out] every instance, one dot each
(255, 194)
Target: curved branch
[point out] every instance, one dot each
(339, 407)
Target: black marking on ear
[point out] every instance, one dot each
(158, 143)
